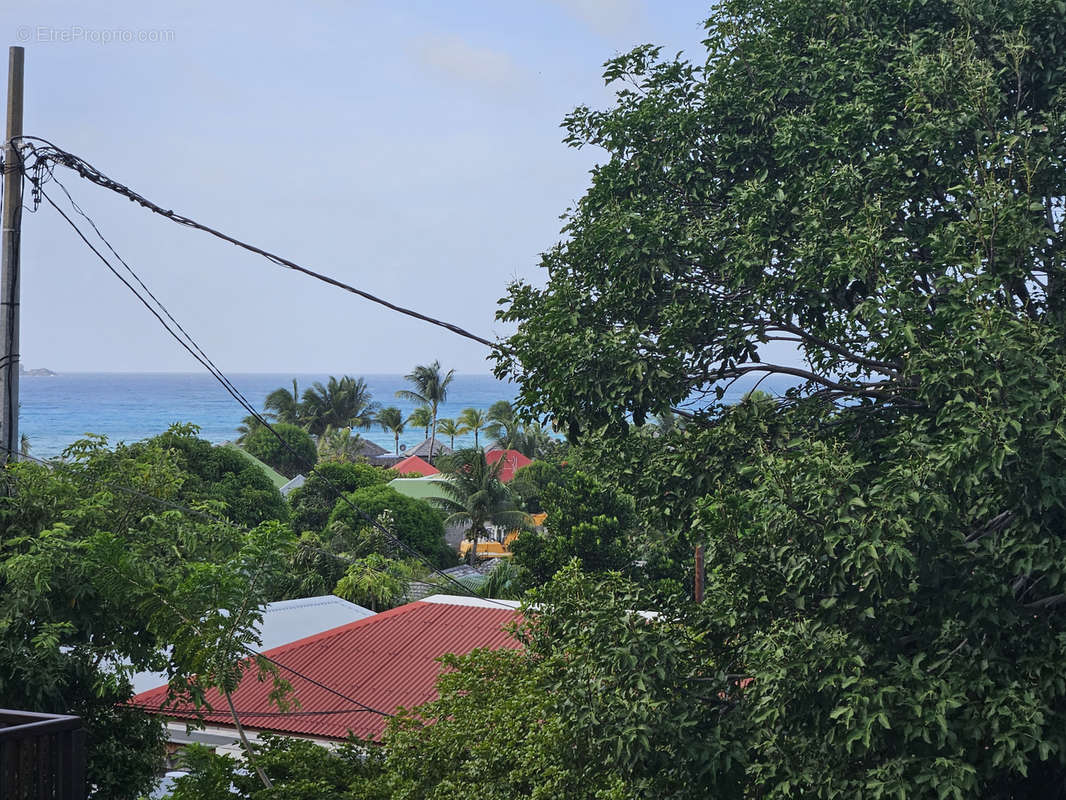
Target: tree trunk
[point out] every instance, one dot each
(472, 557)
(247, 747)
(433, 436)
(396, 436)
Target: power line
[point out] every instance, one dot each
(189, 344)
(362, 706)
(246, 713)
(53, 153)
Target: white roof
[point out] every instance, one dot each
(284, 621)
(295, 483)
(464, 600)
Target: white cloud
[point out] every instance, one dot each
(469, 64)
(608, 18)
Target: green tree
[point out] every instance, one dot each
(294, 452)
(313, 502)
(472, 420)
(339, 403)
(530, 482)
(375, 581)
(214, 474)
(391, 421)
(101, 576)
(421, 417)
(414, 522)
(588, 521)
(300, 769)
(503, 426)
(476, 497)
(248, 424)
(283, 405)
(877, 188)
(340, 444)
(448, 427)
(431, 389)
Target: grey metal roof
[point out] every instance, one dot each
(284, 621)
(422, 450)
(295, 483)
(371, 449)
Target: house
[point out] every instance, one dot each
(512, 462)
(382, 662)
(284, 621)
(293, 485)
(371, 450)
(415, 464)
(426, 488)
(422, 450)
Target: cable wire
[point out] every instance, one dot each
(53, 153)
(189, 344)
(249, 650)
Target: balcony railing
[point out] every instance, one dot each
(42, 756)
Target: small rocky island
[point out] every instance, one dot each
(40, 372)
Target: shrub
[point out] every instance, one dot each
(298, 456)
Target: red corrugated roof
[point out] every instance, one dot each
(385, 661)
(415, 464)
(512, 462)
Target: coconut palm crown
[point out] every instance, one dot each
(475, 495)
(391, 421)
(430, 388)
(472, 420)
(339, 403)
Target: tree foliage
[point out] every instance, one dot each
(475, 497)
(313, 502)
(588, 521)
(339, 403)
(101, 576)
(414, 522)
(294, 452)
(218, 473)
(867, 198)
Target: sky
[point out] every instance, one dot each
(411, 148)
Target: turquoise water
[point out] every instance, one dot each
(131, 406)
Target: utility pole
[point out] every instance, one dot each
(9, 262)
(697, 583)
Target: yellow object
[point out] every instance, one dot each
(485, 549)
(538, 519)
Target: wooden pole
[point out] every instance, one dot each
(11, 213)
(697, 584)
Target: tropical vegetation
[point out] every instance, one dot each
(476, 498)
(430, 388)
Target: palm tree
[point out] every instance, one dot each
(391, 420)
(476, 496)
(283, 405)
(503, 425)
(24, 446)
(339, 444)
(421, 417)
(431, 389)
(473, 419)
(375, 580)
(447, 427)
(343, 403)
(248, 424)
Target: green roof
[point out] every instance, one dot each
(419, 488)
(276, 478)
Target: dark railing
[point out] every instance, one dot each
(42, 756)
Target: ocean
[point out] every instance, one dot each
(128, 407)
